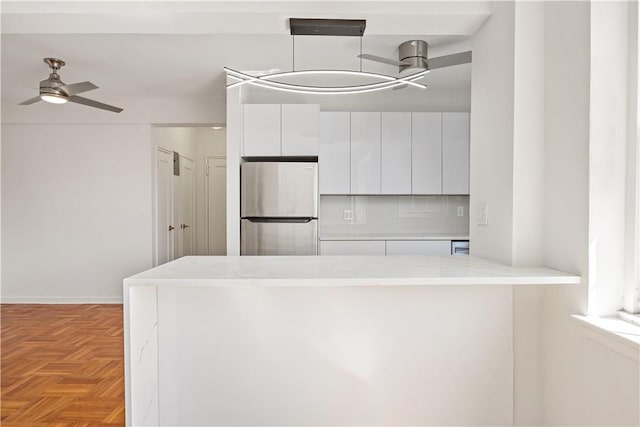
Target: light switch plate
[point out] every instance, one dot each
(460, 210)
(483, 214)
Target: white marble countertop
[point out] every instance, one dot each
(396, 236)
(270, 271)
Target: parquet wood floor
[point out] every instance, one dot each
(61, 365)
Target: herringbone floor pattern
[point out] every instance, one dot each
(62, 365)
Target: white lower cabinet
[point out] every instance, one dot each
(385, 247)
(352, 247)
(418, 247)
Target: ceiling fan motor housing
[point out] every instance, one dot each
(413, 52)
(51, 85)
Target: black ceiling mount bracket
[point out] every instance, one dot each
(327, 27)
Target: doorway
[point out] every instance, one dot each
(189, 192)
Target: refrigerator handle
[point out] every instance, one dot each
(297, 220)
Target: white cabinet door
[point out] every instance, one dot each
(396, 153)
(455, 153)
(352, 247)
(418, 247)
(300, 129)
(426, 156)
(365, 153)
(334, 153)
(261, 125)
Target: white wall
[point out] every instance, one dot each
(209, 143)
(234, 142)
(492, 101)
(607, 154)
(76, 214)
(586, 382)
(506, 172)
(432, 99)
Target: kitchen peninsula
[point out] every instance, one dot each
(327, 340)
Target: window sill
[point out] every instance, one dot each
(621, 336)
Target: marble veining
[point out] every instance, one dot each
(344, 271)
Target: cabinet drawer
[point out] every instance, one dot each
(352, 247)
(418, 247)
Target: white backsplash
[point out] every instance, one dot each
(394, 215)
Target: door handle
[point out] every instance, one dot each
(183, 226)
(171, 227)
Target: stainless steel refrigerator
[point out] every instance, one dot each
(279, 208)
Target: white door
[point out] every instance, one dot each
(186, 211)
(216, 187)
(164, 206)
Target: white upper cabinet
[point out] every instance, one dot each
(396, 153)
(365, 153)
(261, 125)
(300, 129)
(455, 153)
(280, 130)
(334, 153)
(426, 159)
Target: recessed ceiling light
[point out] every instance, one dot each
(216, 127)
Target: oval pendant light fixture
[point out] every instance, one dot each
(325, 27)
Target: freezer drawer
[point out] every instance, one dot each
(278, 238)
(279, 189)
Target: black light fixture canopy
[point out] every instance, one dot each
(327, 27)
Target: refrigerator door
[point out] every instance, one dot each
(279, 189)
(278, 237)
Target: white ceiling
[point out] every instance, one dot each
(147, 59)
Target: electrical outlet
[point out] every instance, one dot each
(483, 214)
(460, 210)
(347, 215)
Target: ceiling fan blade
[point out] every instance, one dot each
(75, 88)
(381, 59)
(31, 101)
(449, 60)
(92, 103)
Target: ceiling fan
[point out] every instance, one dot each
(413, 54)
(55, 91)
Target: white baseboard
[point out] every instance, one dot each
(60, 300)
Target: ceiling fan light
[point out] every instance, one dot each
(53, 99)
